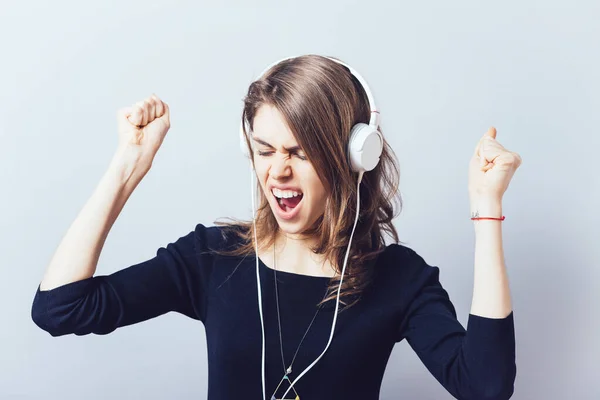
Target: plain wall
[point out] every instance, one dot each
(442, 73)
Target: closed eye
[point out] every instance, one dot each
(268, 153)
(300, 156)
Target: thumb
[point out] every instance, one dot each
(166, 117)
(123, 118)
(491, 132)
(478, 153)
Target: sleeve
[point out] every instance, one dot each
(476, 363)
(176, 279)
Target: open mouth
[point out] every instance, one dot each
(286, 199)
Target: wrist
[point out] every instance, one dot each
(128, 165)
(486, 207)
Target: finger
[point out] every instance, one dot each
(519, 159)
(147, 111)
(487, 141)
(136, 115)
(166, 117)
(481, 150)
(488, 151)
(143, 113)
(491, 132)
(159, 110)
(490, 148)
(151, 104)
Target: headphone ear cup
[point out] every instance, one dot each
(365, 147)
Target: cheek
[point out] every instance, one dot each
(261, 168)
(314, 185)
(318, 199)
(321, 195)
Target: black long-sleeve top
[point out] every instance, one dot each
(404, 301)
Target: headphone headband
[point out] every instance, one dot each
(374, 112)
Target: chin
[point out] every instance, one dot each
(291, 228)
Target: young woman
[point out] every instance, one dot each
(306, 252)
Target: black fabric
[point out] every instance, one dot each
(405, 301)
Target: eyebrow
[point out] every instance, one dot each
(292, 149)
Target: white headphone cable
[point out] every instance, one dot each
(360, 175)
(262, 325)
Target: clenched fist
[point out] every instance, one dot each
(142, 129)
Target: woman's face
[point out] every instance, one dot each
(290, 183)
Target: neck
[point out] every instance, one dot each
(294, 254)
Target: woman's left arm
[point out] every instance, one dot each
(491, 292)
(479, 362)
(490, 171)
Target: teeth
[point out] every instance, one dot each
(286, 194)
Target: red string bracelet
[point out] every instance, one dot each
(497, 219)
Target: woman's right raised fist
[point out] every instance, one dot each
(144, 125)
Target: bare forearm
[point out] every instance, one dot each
(77, 255)
(491, 292)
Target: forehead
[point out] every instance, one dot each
(270, 126)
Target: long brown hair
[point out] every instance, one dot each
(321, 101)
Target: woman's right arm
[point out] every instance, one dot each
(141, 131)
(70, 299)
(77, 255)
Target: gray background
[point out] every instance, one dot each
(442, 73)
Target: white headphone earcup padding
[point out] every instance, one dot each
(365, 147)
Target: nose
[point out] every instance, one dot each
(280, 168)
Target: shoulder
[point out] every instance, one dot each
(402, 258)
(405, 267)
(215, 238)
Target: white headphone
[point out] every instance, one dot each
(364, 150)
(365, 143)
